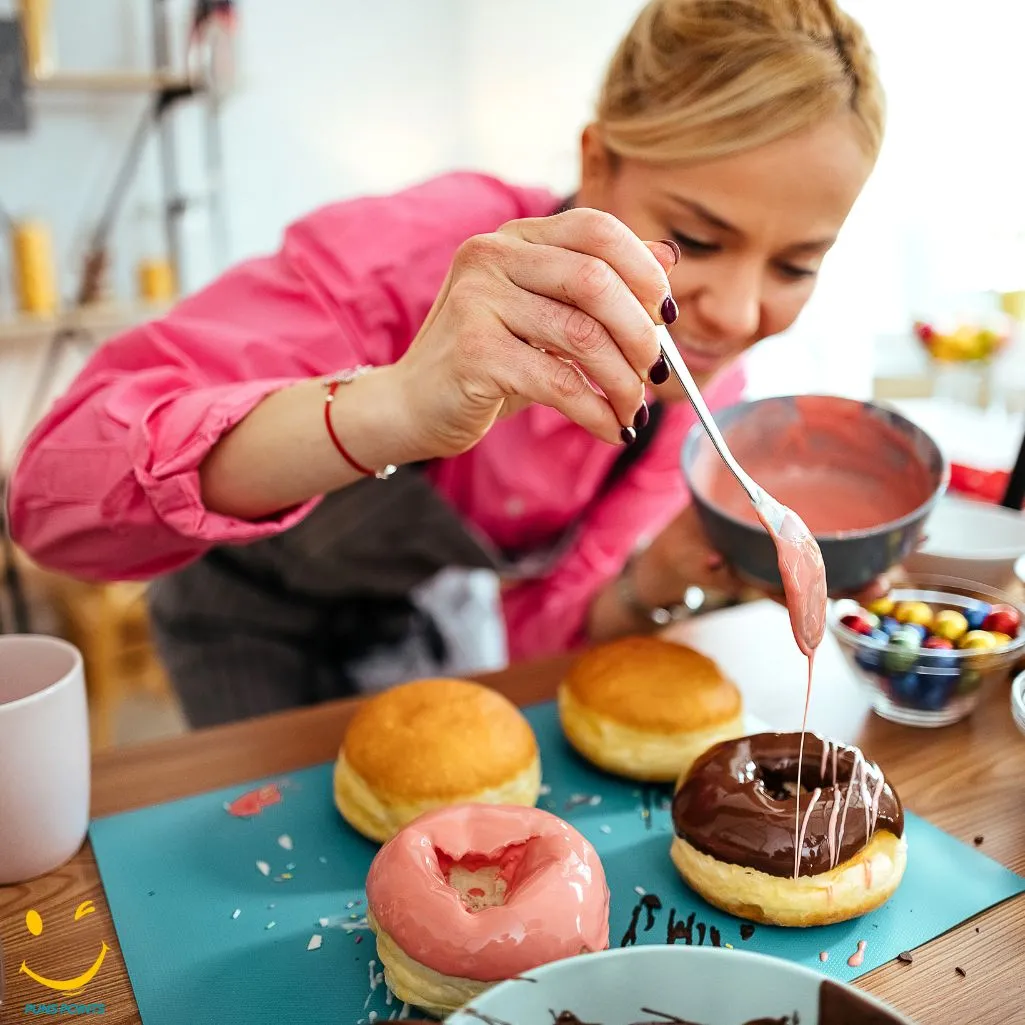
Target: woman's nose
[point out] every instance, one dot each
(730, 305)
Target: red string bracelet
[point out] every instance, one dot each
(333, 383)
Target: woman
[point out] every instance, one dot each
(214, 450)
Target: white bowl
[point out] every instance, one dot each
(971, 540)
(700, 985)
(1019, 570)
(1018, 701)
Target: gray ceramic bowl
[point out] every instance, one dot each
(853, 558)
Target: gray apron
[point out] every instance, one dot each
(382, 582)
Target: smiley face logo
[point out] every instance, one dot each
(71, 987)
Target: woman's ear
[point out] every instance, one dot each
(596, 168)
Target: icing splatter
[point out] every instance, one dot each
(254, 802)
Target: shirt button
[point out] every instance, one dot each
(514, 506)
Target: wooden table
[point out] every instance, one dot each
(968, 779)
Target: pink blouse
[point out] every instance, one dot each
(107, 485)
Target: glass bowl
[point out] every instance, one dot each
(918, 686)
(1018, 701)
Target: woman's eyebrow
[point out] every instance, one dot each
(714, 220)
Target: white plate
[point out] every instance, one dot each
(972, 541)
(1018, 701)
(700, 985)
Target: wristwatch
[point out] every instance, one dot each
(660, 615)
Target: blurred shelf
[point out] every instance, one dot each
(111, 82)
(99, 317)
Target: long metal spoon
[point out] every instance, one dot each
(800, 561)
(772, 512)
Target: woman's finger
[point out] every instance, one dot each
(570, 333)
(593, 288)
(603, 237)
(521, 370)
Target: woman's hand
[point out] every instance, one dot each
(678, 558)
(557, 310)
(681, 557)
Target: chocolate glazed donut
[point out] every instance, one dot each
(738, 804)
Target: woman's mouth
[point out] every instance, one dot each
(697, 360)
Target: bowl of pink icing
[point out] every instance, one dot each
(863, 478)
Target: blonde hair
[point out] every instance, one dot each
(701, 79)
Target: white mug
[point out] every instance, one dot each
(44, 756)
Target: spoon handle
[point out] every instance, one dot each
(704, 415)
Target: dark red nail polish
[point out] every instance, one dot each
(659, 372)
(674, 247)
(641, 417)
(670, 311)
(629, 435)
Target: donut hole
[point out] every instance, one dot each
(484, 880)
(779, 786)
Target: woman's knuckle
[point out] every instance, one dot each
(593, 279)
(582, 331)
(601, 229)
(567, 381)
(478, 251)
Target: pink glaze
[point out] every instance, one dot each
(857, 959)
(839, 467)
(804, 580)
(557, 902)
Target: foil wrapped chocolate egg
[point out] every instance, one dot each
(970, 681)
(978, 640)
(920, 631)
(918, 612)
(1003, 619)
(880, 607)
(976, 615)
(871, 658)
(903, 651)
(950, 625)
(858, 622)
(889, 625)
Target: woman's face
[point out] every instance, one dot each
(753, 229)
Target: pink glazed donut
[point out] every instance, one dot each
(468, 895)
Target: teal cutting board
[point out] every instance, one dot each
(208, 937)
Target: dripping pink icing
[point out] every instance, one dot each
(816, 794)
(557, 902)
(832, 835)
(876, 794)
(858, 957)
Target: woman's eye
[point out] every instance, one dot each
(797, 273)
(694, 245)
